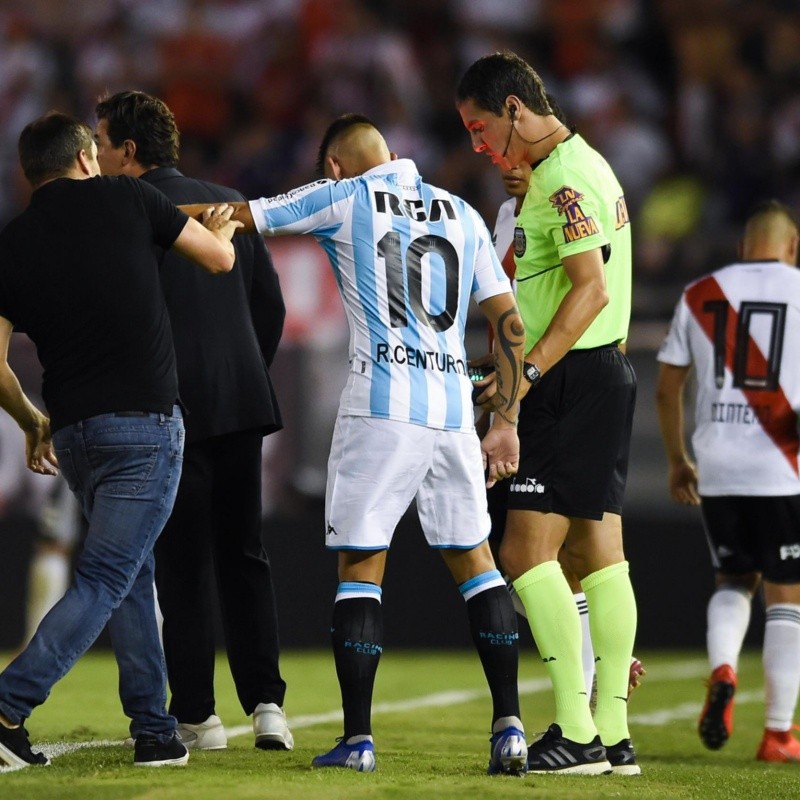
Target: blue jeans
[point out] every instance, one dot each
(124, 470)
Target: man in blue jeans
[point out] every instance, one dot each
(79, 275)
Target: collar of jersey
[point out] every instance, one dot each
(398, 166)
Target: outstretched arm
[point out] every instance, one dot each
(241, 213)
(209, 244)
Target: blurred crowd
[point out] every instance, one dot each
(696, 105)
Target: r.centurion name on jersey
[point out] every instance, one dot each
(407, 257)
(740, 326)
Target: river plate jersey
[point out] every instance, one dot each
(407, 257)
(503, 235)
(574, 204)
(740, 327)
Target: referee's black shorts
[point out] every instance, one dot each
(575, 433)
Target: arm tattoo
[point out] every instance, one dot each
(510, 335)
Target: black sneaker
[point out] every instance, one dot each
(622, 758)
(149, 752)
(554, 754)
(15, 748)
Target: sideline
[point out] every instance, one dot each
(678, 671)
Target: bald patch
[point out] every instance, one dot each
(358, 149)
(773, 224)
(768, 234)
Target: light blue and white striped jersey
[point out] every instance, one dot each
(407, 257)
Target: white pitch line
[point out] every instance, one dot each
(683, 670)
(439, 699)
(686, 711)
(55, 749)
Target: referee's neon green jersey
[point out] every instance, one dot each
(574, 204)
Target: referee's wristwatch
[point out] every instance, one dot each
(531, 372)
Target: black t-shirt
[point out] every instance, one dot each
(79, 274)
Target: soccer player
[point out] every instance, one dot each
(739, 328)
(408, 256)
(572, 250)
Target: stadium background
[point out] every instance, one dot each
(696, 106)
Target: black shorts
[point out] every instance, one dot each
(497, 501)
(754, 534)
(575, 434)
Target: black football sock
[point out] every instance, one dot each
(357, 637)
(493, 623)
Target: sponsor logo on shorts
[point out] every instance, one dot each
(331, 530)
(790, 551)
(531, 485)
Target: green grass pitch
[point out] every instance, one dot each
(431, 727)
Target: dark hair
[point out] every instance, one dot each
(336, 129)
(555, 109)
(49, 146)
(491, 79)
(147, 121)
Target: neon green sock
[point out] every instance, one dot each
(612, 620)
(556, 626)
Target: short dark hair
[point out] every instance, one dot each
(49, 146)
(491, 79)
(336, 129)
(145, 120)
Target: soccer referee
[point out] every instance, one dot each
(572, 247)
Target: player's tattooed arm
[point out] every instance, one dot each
(501, 311)
(500, 445)
(509, 344)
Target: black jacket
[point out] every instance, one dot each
(226, 328)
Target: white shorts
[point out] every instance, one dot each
(378, 466)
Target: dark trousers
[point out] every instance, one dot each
(214, 533)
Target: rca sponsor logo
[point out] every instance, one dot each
(439, 208)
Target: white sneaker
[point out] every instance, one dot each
(270, 728)
(208, 735)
